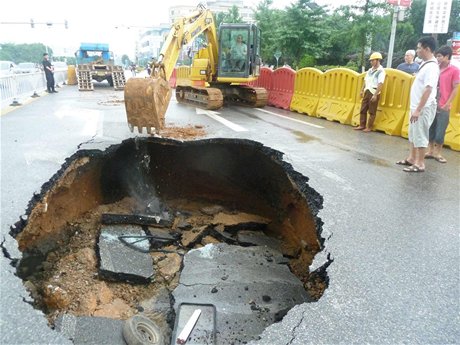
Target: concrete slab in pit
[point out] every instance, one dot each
(248, 288)
(91, 330)
(128, 261)
(258, 238)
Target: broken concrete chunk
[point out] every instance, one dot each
(158, 220)
(91, 330)
(247, 286)
(161, 237)
(191, 237)
(258, 238)
(124, 254)
(239, 218)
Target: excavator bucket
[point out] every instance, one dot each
(146, 102)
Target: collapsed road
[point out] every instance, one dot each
(159, 228)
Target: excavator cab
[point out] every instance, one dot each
(239, 53)
(220, 71)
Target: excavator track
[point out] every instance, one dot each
(244, 95)
(203, 97)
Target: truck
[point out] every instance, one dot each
(96, 62)
(222, 70)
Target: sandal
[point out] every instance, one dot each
(413, 169)
(428, 156)
(404, 162)
(440, 159)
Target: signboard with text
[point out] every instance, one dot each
(437, 14)
(456, 52)
(403, 3)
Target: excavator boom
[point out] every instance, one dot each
(147, 99)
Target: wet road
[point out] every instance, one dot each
(394, 237)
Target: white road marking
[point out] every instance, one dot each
(288, 118)
(213, 115)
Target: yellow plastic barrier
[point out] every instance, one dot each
(357, 108)
(71, 75)
(393, 103)
(183, 76)
(307, 90)
(338, 96)
(452, 138)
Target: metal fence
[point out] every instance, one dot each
(16, 88)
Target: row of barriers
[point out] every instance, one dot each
(335, 96)
(16, 88)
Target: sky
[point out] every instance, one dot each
(90, 21)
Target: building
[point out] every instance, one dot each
(150, 42)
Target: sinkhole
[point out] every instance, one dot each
(158, 228)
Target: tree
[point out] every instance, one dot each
(231, 16)
(265, 17)
(23, 52)
(303, 32)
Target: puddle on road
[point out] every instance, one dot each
(167, 197)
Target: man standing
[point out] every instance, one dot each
(409, 66)
(449, 79)
(49, 73)
(370, 93)
(422, 106)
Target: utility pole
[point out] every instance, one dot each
(392, 36)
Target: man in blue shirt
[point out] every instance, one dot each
(409, 66)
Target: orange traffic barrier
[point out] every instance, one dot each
(307, 90)
(172, 79)
(282, 90)
(339, 95)
(393, 103)
(265, 79)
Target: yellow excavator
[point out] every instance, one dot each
(219, 71)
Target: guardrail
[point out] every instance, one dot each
(16, 88)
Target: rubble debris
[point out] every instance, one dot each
(202, 332)
(258, 238)
(162, 220)
(122, 262)
(87, 330)
(241, 300)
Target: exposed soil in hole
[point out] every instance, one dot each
(209, 187)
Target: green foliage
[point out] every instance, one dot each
(231, 16)
(307, 61)
(125, 60)
(23, 52)
(343, 36)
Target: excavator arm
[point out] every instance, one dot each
(147, 99)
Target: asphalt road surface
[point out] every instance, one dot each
(393, 236)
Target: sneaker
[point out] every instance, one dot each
(54, 91)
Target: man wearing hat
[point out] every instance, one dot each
(370, 93)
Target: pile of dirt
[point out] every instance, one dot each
(183, 133)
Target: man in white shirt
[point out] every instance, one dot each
(422, 105)
(370, 93)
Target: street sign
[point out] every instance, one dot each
(437, 14)
(277, 55)
(456, 52)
